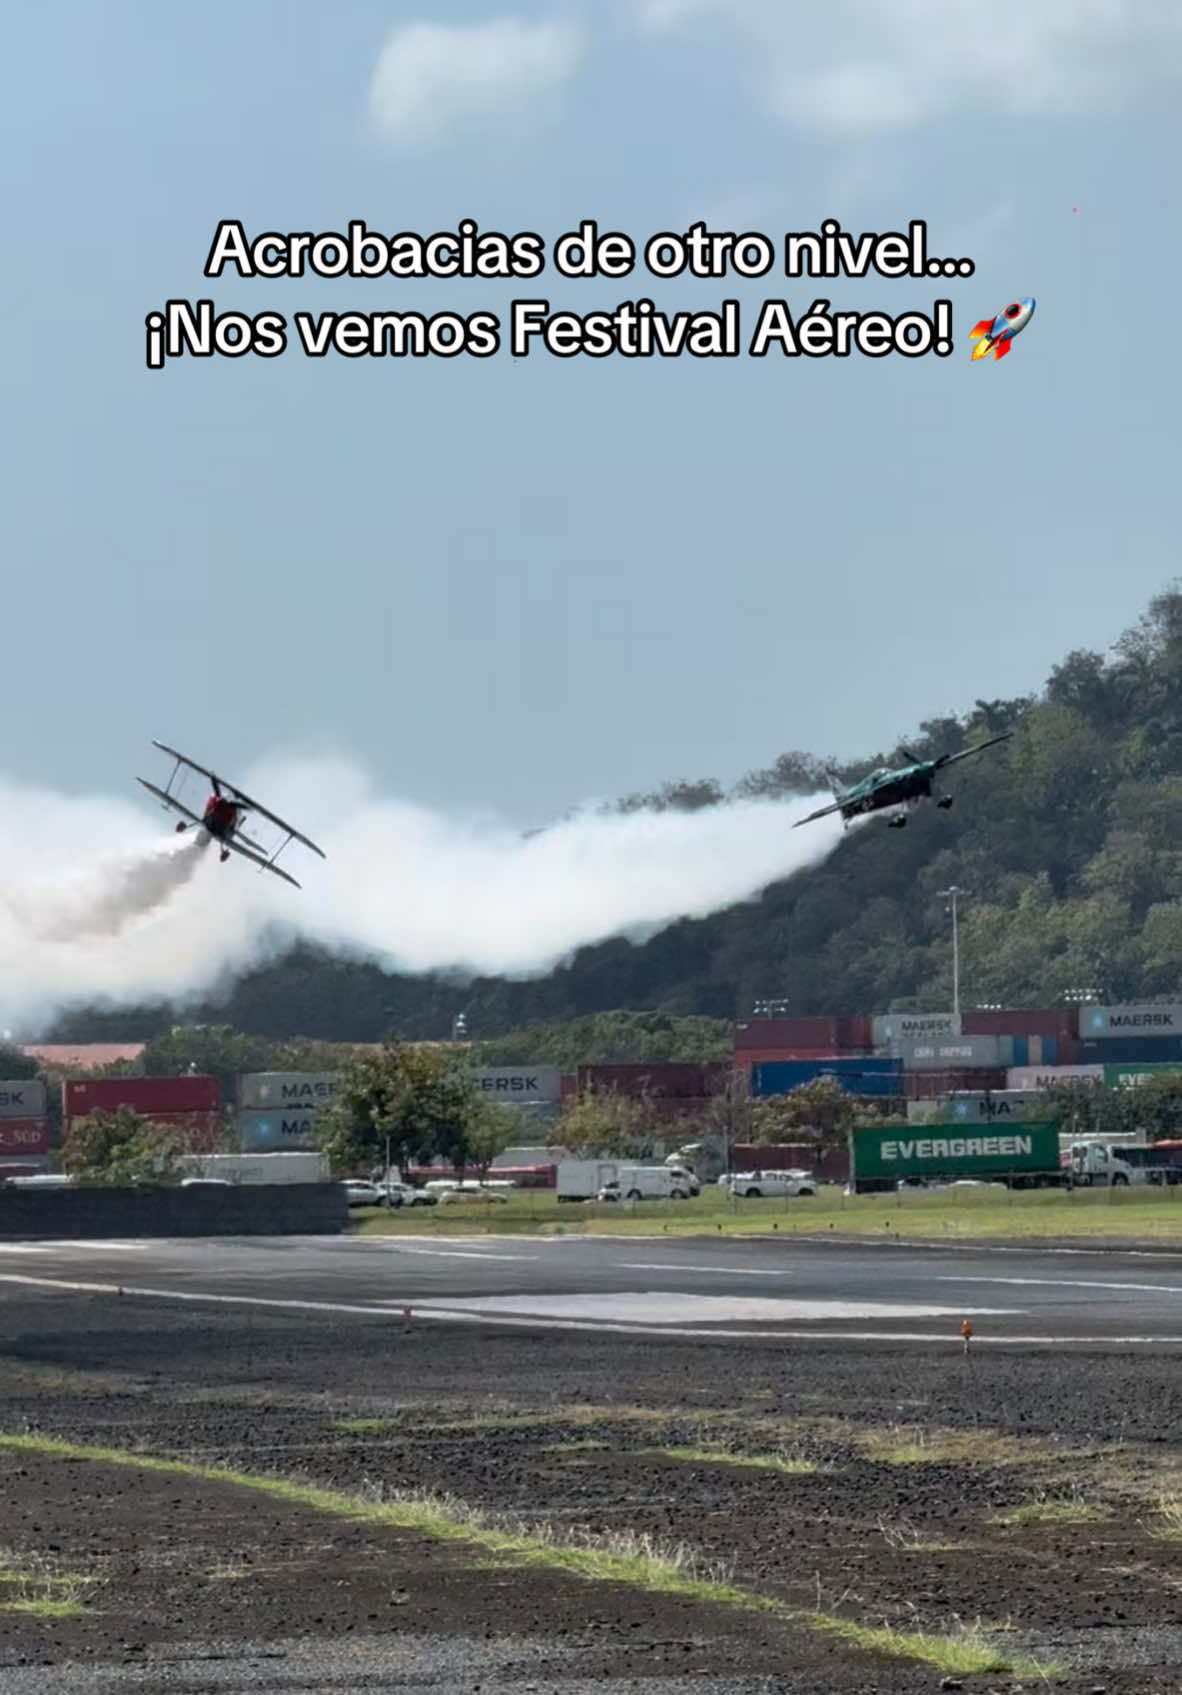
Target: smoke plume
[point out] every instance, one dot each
(97, 908)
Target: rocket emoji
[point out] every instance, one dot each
(996, 336)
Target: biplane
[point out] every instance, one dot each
(896, 792)
(223, 814)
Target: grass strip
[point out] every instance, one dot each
(788, 1464)
(629, 1560)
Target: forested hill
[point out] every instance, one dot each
(1068, 841)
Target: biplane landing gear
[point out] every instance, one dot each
(181, 826)
(945, 803)
(224, 855)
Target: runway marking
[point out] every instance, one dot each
(651, 1306)
(462, 1253)
(23, 1248)
(1068, 1283)
(684, 1333)
(700, 1270)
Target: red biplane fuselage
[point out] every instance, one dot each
(220, 817)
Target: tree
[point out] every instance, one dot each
(116, 1149)
(819, 1111)
(493, 1128)
(606, 1124)
(422, 1102)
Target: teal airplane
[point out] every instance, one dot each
(896, 791)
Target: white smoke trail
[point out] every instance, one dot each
(417, 889)
(109, 898)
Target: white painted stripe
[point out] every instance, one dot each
(23, 1248)
(683, 1332)
(1070, 1283)
(699, 1270)
(463, 1253)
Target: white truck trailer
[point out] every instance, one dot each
(256, 1168)
(582, 1179)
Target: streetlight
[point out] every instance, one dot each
(459, 1027)
(769, 1009)
(953, 894)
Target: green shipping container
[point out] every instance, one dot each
(955, 1150)
(1128, 1076)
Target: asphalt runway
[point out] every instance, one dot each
(657, 1286)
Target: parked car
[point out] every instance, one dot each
(449, 1197)
(361, 1193)
(754, 1184)
(406, 1195)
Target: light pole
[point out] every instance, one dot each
(953, 894)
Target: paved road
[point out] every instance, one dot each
(648, 1285)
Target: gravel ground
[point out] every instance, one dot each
(192, 1585)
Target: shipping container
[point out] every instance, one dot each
(24, 1135)
(1135, 1049)
(855, 1034)
(771, 1056)
(260, 1132)
(1048, 1021)
(1126, 1076)
(788, 1033)
(1046, 1076)
(286, 1091)
(145, 1095)
(830, 1167)
(951, 1151)
(1139, 1018)
(931, 1085)
(657, 1082)
(992, 1106)
(521, 1085)
(881, 1078)
(23, 1098)
(949, 1053)
(202, 1132)
(891, 1028)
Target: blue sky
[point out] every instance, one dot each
(514, 585)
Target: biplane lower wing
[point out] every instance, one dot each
(235, 846)
(169, 800)
(823, 813)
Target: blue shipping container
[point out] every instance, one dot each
(1141, 1050)
(1020, 1050)
(880, 1077)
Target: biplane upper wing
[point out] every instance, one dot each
(183, 759)
(823, 813)
(234, 844)
(169, 800)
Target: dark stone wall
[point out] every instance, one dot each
(246, 1209)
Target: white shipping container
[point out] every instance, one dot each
(949, 1053)
(1046, 1076)
(288, 1090)
(258, 1168)
(270, 1132)
(520, 1085)
(1139, 1018)
(1010, 1105)
(891, 1027)
(22, 1098)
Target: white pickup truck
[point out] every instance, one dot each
(757, 1183)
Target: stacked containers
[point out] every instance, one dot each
(24, 1120)
(192, 1104)
(876, 1077)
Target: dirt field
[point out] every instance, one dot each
(492, 1510)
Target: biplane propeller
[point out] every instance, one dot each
(223, 812)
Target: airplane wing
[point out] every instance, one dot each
(823, 813)
(280, 823)
(951, 758)
(169, 800)
(235, 846)
(183, 759)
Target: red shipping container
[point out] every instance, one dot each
(788, 1033)
(202, 1130)
(1052, 1021)
(856, 1033)
(930, 1085)
(832, 1167)
(141, 1094)
(658, 1082)
(24, 1135)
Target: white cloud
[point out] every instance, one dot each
(430, 77)
(860, 67)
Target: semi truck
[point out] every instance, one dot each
(1022, 1156)
(1120, 1163)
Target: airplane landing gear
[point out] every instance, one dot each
(181, 826)
(224, 855)
(945, 803)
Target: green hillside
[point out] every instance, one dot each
(1068, 840)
